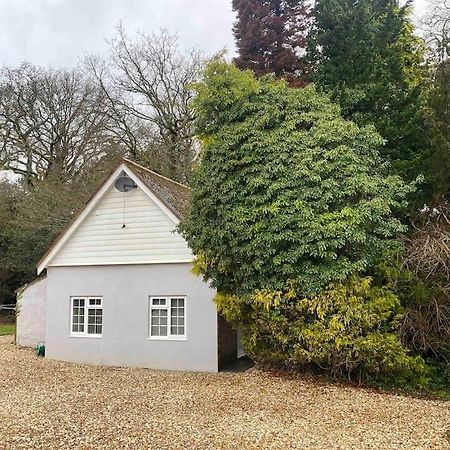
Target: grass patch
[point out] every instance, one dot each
(7, 328)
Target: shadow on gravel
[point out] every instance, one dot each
(242, 364)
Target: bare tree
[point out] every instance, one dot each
(148, 84)
(51, 122)
(436, 26)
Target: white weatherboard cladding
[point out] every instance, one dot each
(148, 236)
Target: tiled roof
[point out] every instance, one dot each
(175, 196)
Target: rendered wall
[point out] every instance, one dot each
(125, 340)
(31, 314)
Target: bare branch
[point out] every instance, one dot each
(436, 27)
(147, 83)
(51, 121)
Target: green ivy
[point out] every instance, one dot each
(286, 190)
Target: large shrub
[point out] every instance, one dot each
(286, 189)
(290, 202)
(348, 330)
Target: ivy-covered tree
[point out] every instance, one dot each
(369, 60)
(271, 37)
(287, 191)
(290, 203)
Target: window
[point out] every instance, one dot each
(87, 316)
(78, 315)
(167, 318)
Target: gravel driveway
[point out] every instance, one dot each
(47, 405)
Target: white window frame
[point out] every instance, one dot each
(168, 307)
(87, 306)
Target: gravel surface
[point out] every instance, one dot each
(52, 405)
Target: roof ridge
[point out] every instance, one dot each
(126, 160)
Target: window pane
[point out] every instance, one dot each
(177, 330)
(177, 316)
(158, 321)
(159, 302)
(78, 315)
(95, 321)
(177, 302)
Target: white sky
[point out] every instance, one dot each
(59, 32)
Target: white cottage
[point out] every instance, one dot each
(119, 289)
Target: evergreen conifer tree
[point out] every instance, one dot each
(369, 60)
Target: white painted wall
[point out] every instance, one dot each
(125, 341)
(31, 314)
(148, 237)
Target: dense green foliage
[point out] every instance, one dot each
(368, 59)
(438, 119)
(347, 330)
(424, 327)
(287, 190)
(296, 191)
(9, 279)
(270, 34)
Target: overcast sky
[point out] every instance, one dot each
(59, 32)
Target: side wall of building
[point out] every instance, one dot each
(31, 313)
(125, 290)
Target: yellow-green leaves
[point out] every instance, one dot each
(347, 330)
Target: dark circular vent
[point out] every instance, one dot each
(125, 184)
